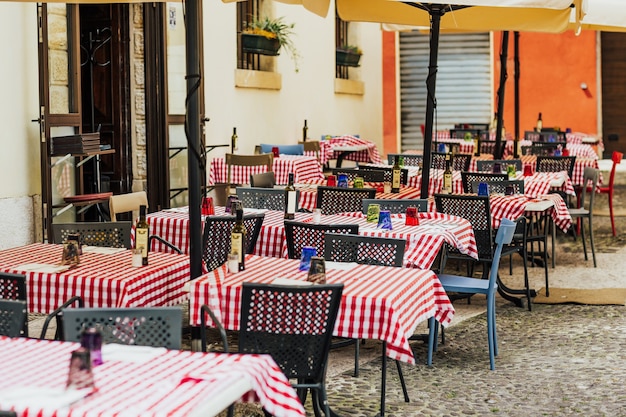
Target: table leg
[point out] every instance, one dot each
(341, 157)
(507, 292)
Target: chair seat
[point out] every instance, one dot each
(578, 212)
(458, 283)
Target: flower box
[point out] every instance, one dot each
(347, 58)
(259, 44)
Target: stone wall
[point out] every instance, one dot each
(138, 97)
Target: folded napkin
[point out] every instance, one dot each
(48, 268)
(130, 353)
(291, 282)
(178, 210)
(340, 266)
(102, 250)
(40, 397)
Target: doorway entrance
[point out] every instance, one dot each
(613, 92)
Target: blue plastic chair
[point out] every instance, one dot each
(461, 284)
(283, 149)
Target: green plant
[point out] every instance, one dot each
(276, 29)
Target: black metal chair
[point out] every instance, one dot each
(499, 187)
(387, 172)
(13, 287)
(477, 211)
(264, 198)
(108, 234)
(332, 200)
(467, 178)
(415, 160)
(459, 161)
(301, 234)
(369, 250)
(13, 317)
(142, 326)
(217, 233)
(556, 164)
(294, 325)
(396, 206)
(585, 211)
(368, 175)
(487, 165)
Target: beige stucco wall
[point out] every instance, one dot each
(277, 116)
(259, 114)
(19, 158)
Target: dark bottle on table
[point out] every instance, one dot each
(290, 199)
(396, 175)
(141, 235)
(305, 131)
(447, 178)
(238, 238)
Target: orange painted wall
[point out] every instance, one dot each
(390, 95)
(552, 68)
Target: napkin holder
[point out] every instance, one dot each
(317, 270)
(71, 250)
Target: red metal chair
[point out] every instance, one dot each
(617, 158)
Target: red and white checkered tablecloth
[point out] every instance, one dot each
(303, 167)
(423, 242)
(378, 302)
(579, 168)
(101, 280)
(370, 154)
(172, 383)
(514, 206)
(308, 194)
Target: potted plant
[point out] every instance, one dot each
(267, 36)
(348, 55)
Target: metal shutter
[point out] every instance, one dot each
(464, 84)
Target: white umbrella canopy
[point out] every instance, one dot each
(603, 15)
(319, 7)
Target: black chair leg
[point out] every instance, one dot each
(402, 382)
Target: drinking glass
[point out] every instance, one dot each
(483, 189)
(411, 217)
(384, 220)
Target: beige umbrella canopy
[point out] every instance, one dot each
(468, 15)
(465, 15)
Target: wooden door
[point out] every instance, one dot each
(613, 92)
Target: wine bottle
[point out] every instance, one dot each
(477, 145)
(305, 131)
(447, 178)
(141, 235)
(238, 238)
(539, 123)
(233, 141)
(396, 174)
(290, 199)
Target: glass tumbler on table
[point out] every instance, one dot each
(411, 217)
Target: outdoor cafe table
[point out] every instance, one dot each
(139, 381)
(378, 302)
(303, 167)
(534, 185)
(308, 193)
(579, 167)
(423, 242)
(349, 147)
(103, 278)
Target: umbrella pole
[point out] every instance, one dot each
(431, 82)
(192, 126)
(503, 56)
(516, 91)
